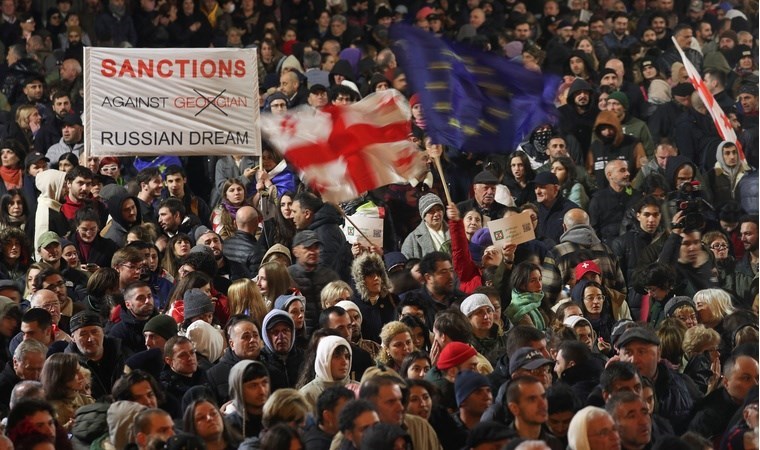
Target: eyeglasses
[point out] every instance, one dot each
(687, 317)
(87, 230)
(50, 305)
(134, 267)
(719, 246)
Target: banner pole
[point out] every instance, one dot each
(437, 161)
(345, 216)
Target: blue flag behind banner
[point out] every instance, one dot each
(472, 100)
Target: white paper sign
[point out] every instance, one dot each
(514, 229)
(171, 101)
(372, 227)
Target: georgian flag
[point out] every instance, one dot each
(720, 119)
(344, 151)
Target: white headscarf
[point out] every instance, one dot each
(577, 434)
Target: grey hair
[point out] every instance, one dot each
(29, 346)
(26, 389)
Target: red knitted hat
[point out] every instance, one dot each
(454, 354)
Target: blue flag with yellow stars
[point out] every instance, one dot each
(475, 101)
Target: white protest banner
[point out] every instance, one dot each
(514, 229)
(372, 227)
(171, 101)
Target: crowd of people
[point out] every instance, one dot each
(215, 302)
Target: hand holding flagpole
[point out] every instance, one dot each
(345, 216)
(435, 151)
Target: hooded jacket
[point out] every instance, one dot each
(724, 180)
(289, 364)
(623, 146)
(342, 67)
(49, 217)
(579, 124)
(323, 379)
(249, 426)
(118, 228)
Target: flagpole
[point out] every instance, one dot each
(345, 216)
(435, 152)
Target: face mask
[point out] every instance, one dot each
(541, 139)
(229, 8)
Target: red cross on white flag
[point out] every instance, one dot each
(720, 119)
(344, 151)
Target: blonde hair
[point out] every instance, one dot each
(22, 115)
(717, 301)
(245, 298)
(330, 294)
(285, 405)
(699, 337)
(389, 331)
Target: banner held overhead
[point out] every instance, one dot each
(176, 101)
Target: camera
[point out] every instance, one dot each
(688, 198)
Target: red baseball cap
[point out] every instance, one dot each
(585, 267)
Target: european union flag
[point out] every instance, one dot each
(472, 100)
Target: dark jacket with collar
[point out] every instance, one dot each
(550, 219)
(583, 377)
(101, 251)
(242, 248)
(713, 413)
(128, 330)
(310, 283)
(106, 371)
(218, 376)
(676, 395)
(176, 385)
(432, 306)
(8, 380)
(335, 251)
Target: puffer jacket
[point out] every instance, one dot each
(335, 252)
(676, 395)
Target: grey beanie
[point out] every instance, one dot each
(675, 302)
(197, 303)
(427, 201)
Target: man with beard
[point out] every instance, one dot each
(72, 138)
(310, 276)
(484, 190)
(661, 122)
(150, 184)
(578, 115)
(608, 205)
(611, 144)
(618, 103)
(137, 310)
(50, 132)
(103, 356)
(438, 293)
(749, 236)
(632, 419)
(79, 185)
(173, 217)
(226, 268)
